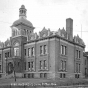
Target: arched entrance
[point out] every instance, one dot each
(10, 68)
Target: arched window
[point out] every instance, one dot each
(27, 32)
(16, 49)
(24, 31)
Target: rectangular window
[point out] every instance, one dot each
(32, 75)
(18, 63)
(45, 75)
(61, 75)
(65, 50)
(5, 55)
(29, 65)
(61, 64)
(32, 51)
(76, 53)
(0, 68)
(79, 54)
(45, 49)
(29, 52)
(64, 75)
(61, 49)
(77, 67)
(41, 65)
(45, 64)
(24, 75)
(25, 52)
(41, 75)
(8, 54)
(25, 65)
(85, 71)
(29, 76)
(85, 62)
(0, 57)
(41, 50)
(32, 63)
(64, 66)
(16, 51)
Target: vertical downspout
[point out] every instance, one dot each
(74, 59)
(35, 56)
(59, 54)
(55, 56)
(48, 62)
(2, 60)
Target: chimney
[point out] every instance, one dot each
(69, 28)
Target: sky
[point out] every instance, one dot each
(46, 13)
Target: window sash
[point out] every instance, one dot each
(25, 52)
(79, 54)
(0, 67)
(0, 56)
(29, 65)
(65, 50)
(25, 65)
(32, 64)
(45, 64)
(16, 51)
(61, 49)
(77, 67)
(29, 52)
(45, 49)
(32, 51)
(64, 65)
(41, 64)
(8, 54)
(61, 64)
(41, 49)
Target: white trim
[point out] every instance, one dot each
(52, 39)
(41, 41)
(66, 42)
(6, 49)
(71, 44)
(38, 72)
(29, 44)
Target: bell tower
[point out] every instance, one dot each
(21, 28)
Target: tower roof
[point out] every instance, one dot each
(22, 6)
(23, 21)
(22, 17)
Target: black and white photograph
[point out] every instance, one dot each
(43, 43)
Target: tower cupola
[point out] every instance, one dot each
(22, 11)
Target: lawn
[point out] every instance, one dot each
(59, 82)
